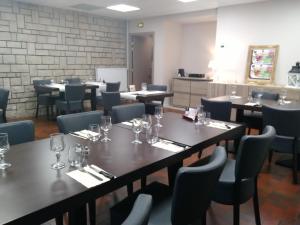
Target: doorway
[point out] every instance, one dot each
(141, 48)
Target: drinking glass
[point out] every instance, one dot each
(233, 90)
(207, 118)
(283, 96)
(106, 126)
(200, 115)
(158, 115)
(57, 145)
(144, 86)
(74, 155)
(250, 98)
(147, 121)
(4, 147)
(137, 127)
(152, 134)
(97, 132)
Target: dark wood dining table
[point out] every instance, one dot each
(91, 87)
(32, 193)
(146, 96)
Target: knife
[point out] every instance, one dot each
(86, 171)
(102, 172)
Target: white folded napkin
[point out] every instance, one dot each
(87, 179)
(166, 145)
(251, 103)
(287, 102)
(127, 123)
(220, 125)
(85, 133)
(234, 97)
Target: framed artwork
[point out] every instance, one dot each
(261, 63)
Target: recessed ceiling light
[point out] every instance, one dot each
(186, 1)
(123, 8)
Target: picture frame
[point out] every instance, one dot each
(261, 63)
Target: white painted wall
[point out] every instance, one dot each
(272, 22)
(198, 46)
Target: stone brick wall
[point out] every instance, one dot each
(38, 42)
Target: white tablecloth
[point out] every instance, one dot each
(132, 95)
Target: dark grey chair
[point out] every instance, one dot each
(254, 119)
(74, 96)
(44, 97)
(140, 212)
(3, 104)
(110, 87)
(18, 132)
(150, 106)
(110, 99)
(78, 121)
(73, 80)
(191, 196)
(287, 125)
(127, 112)
(219, 110)
(238, 181)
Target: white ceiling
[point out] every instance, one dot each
(149, 8)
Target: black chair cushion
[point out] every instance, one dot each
(73, 105)
(47, 99)
(225, 190)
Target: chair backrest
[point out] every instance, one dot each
(78, 121)
(252, 152)
(74, 92)
(127, 112)
(140, 212)
(18, 132)
(156, 87)
(110, 99)
(265, 95)
(194, 187)
(285, 121)
(219, 110)
(3, 99)
(113, 87)
(73, 80)
(37, 84)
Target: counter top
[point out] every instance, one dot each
(193, 78)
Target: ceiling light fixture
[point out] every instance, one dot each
(186, 1)
(123, 8)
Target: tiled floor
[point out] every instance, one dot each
(279, 198)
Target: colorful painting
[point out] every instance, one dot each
(261, 63)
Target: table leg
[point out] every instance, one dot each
(172, 171)
(93, 99)
(77, 216)
(239, 115)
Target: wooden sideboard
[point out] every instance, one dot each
(188, 91)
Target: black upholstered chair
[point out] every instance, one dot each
(78, 121)
(18, 132)
(44, 97)
(238, 181)
(190, 198)
(140, 212)
(73, 80)
(110, 99)
(127, 112)
(3, 104)
(287, 125)
(150, 106)
(219, 110)
(110, 87)
(74, 96)
(254, 119)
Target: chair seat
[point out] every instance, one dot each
(47, 99)
(161, 213)
(225, 191)
(73, 105)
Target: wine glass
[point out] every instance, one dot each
(144, 86)
(4, 147)
(95, 136)
(137, 127)
(106, 126)
(147, 121)
(57, 145)
(158, 115)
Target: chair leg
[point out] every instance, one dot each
(59, 220)
(47, 111)
(236, 214)
(249, 131)
(270, 156)
(256, 205)
(295, 166)
(143, 182)
(92, 212)
(129, 189)
(37, 110)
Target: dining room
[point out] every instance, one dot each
(149, 112)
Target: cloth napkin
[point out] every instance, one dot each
(167, 145)
(87, 179)
(251, 104)
(220, 125)
(127, 123)
(234, 97)
(85, 133)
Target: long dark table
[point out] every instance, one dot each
(91, 87)
(147, 97)
(32, 193)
